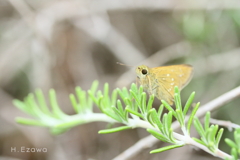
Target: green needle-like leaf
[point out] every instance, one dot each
(207, 121)
(134, 112)
(57, 131)
(149, 118)
(114, 97)
(208, 136)
(55, 108)
(199, 127)
(180, 117)
(189, 123)
(129, 103)
(156, 119)
(42, 102)
(134, 88)
(113, 130)
(237, 138)
(23, 107)
(234, 153)
(69, 124)
(167, 122)
(199, 141)
(141, 89)
(74, 103)
(90, 101)
(119, 106)
(143, 106)
(101, 104)
(188, 103)
(166, 148)
(94, 99)
(31, 122)
(169, 119)
(94, 86)
(231, 143)
(109, 112)
(118, 114)
(211, 146)
(150, 102)
(123, 93)
(30, 107)
(165, 125)
(177, 98)
(158, 135)
(160, 111)
(82, 99)
(134, 95)
(106, 90)
(171, 138)
(214, 132)
(126, 115)
(169, 108)
(219, 136)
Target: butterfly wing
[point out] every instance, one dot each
(167, 77)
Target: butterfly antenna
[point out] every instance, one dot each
(124, 64)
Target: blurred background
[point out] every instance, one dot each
(62, 44)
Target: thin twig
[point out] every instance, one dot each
(219, 101)
(227, 124)
(150, 140)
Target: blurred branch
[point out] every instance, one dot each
(99, 28)
(24, 10)
(150, 140)
(219, 101)
(227, 124)
(61, 10)
(39, 46)
(142, 144)
(29, 16)
(217, 62)
(13, 53)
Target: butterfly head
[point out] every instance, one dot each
(142, 71)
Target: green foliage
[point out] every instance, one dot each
(132, 109)
(235, 146)
(112, 130)
(210, 135)
(166, 148)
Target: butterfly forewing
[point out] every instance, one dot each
(167, 77)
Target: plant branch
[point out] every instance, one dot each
(227, 124)
(149, 141)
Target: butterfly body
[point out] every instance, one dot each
(161, 81)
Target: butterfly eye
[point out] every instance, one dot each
(144, 71)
